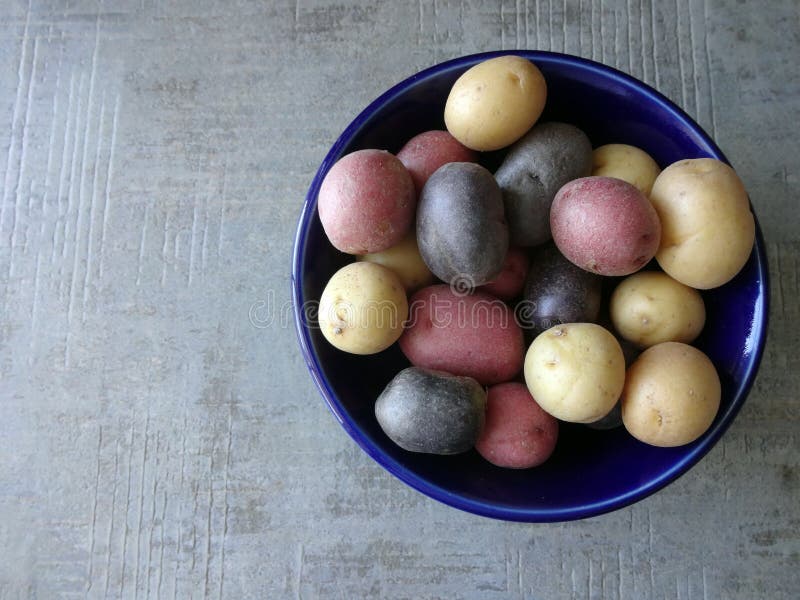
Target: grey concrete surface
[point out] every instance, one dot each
(161, 437)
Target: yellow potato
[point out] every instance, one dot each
(671, 395)
(575, 371)
(495, 102)
(707, 229)
(628, 163)
(405, 260)
(362, 308)
(650, 307)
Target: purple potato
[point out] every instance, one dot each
(556, 292)
(428, 411)
(461, 229)
(535, 168)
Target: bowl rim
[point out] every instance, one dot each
(498, 510)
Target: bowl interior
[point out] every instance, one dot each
(590, 472)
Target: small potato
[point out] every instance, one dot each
(671, 395)
(363, 308)
(432, 411)
(707, 227)
(495, 102)
(366, 202)
(650, 307)
(518, 434)
(628, 163)
(461, 229)
(473, 335)
(604, 225)
(557, 291)
(509, 283)
(426, 152)
(534, 169)
(575, 371)
(404, 259)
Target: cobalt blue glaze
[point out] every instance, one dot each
(591, 472)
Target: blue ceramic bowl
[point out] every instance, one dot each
(590, 472)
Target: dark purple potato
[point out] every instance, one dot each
(422, 410)
(556, 291)
(535, 168)
(461, 231)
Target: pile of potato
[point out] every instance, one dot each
(492, 283)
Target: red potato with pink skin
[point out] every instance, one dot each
(472, 335)
(605, 225)
(517, 433)
(426, 152)
(508, 285)
(367, 202)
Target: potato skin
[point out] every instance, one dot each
(708, 229)
(628, 163)
(650, 307)
(518, 434)
(429, 150)
(557, 292)
(362, 308)
(605, 225)
(461, 229)
(509, 283)
(671, 395)
(575, 371)
(432, 411)
(535, 168)
(366, 202)
(473, 335)
(405, 260)
(492, 104)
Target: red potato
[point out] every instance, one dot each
(518, 433)
(508, 285)
(426, 152)
(367, 202)
(473, 335)
(605, 225)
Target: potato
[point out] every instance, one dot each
(557, 292)
(671, 395)
(495, 102)
(533, 170)
(363, 308)
(628, 163)
(426, 152)
(518, 434)
(431, 411)
(473, 335)
(366, 202)
(604, 225)
(650, 307)
(575, 371)
(509, 283)
(707, 227)
(461, 229)
(404, 259)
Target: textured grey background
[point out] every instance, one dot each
(161, 436)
